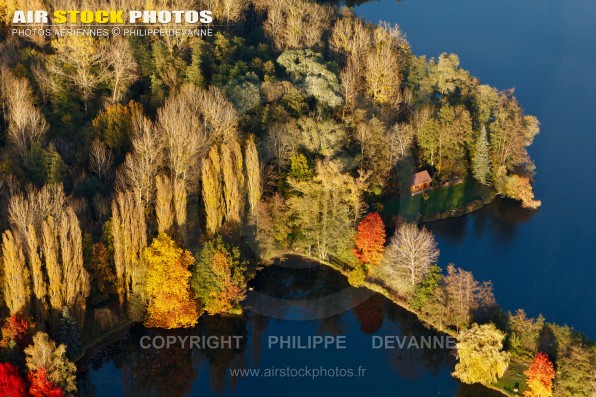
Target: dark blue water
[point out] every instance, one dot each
(545, 263)
(122, 368)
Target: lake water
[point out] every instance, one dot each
(123, 368)
(544, 262)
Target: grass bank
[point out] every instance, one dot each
(440, 202)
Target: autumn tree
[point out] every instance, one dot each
(27, 125)
(45, 355)
(274, 226)
(190, 121)
(447, 76)
(308, 68)
(481, 159)
(171, 304)
(517, 187)
(50, 234)
(539, 377)
(41, 386)
(253, 174)
(295, 24)
(325, 137)
(218, 277)
(454, 137)
(370, 239)
(103, 275)
(143, 163)
(408, 258)
(129, 233)
(233, 180)
(80, 62)
(374, 151)
(68, 280)
(101, 159)
(464, 295)
(11, 382)
(212, 188)
(576, 372)
(164, 207)
(324, 209)
(121, 67)
(383, 64)
(524, 334)
(228, 11)
(15, 331)
(400, 139)
(510, 133)
(481, 358)
(114, 124)
(16, 279)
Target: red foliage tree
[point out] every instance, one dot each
(41, 386)
(11, 382)
(540, 377)
(370, 239)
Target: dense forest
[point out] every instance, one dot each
(146, 179)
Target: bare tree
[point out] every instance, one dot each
(122, 67)
(220, 116)
(408, 257)
(81, 61)
(400, 139)
(142, 165)
(100, 159)
(26, 123)
(464, 295)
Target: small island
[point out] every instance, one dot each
(148, 180)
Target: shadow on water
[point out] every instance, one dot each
(499, 218)
(123, 367)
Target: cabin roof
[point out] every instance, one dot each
(420, 177)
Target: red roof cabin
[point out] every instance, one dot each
(420, 182)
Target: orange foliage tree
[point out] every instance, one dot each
(171, 304)
(41, 386)
(540, 377)
(15, 329)
(370, 239)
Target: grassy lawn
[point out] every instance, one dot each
(437, 200)
(514, 376)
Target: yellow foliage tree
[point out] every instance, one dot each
(481, 359)
(171, 304)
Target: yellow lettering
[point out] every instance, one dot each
(59, 16)
(116, 16)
